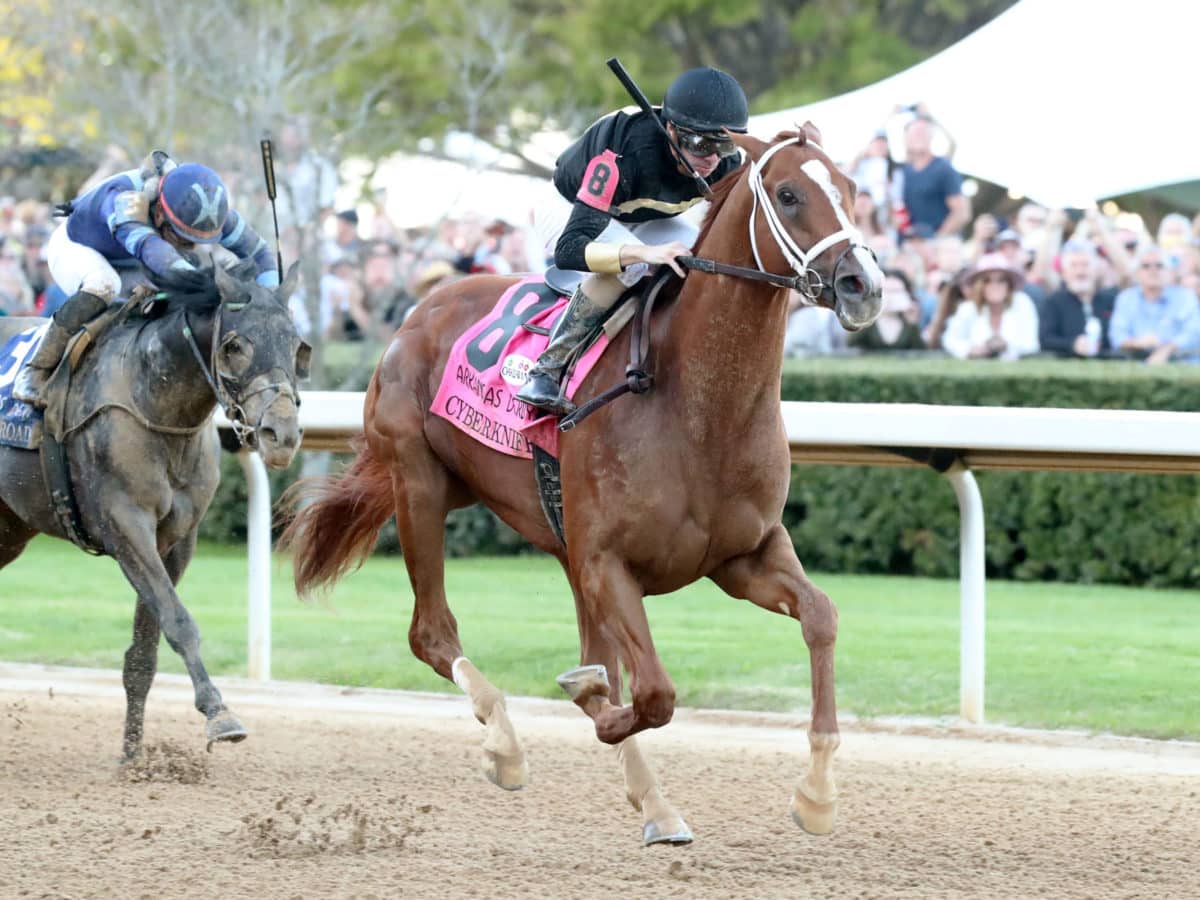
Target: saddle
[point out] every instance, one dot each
(55, 464)
(637, 305)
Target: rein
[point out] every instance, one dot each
(715, 267)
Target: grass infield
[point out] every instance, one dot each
(1097, 658)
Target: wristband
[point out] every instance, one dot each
(602, 257)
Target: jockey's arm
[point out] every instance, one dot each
(129, 221)
(246, 243)
(578, 250)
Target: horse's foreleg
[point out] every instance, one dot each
(141, 662)
(773, 578)
(422, 491)
(613, 599)
(154, 579)
(222, 725)
(596, 686)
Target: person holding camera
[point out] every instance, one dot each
(930, 188)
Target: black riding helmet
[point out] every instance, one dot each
(706, 100)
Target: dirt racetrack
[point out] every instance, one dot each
(378, 794)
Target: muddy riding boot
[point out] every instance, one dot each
(578, 320)
(70, 317)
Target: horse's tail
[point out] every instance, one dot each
(335, 521)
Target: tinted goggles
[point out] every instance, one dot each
(699, 144)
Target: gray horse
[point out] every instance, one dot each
(143, 455)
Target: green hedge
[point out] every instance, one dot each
(1126, 529)
(1079, 527)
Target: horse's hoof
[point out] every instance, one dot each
(675, 831)
(508, 773)
(584, 682)
(815, 818)
(224, 726)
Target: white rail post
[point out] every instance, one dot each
(258, 541)
(971, 581)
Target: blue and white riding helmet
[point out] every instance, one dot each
(195, 202)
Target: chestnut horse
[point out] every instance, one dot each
(658, 491)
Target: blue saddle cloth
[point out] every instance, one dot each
(20, 423)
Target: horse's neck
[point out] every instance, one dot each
(726, 342)
(167, 384)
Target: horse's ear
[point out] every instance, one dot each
(303, 360)
(753, 146)
(810, 132)
(229, 288)
(283, 293)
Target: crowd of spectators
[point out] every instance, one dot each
(372, 278)
(1064, 282)
(1073, 283)
(26, 287)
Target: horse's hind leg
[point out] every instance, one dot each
(772, 577)
(424, 494)
(596, 685)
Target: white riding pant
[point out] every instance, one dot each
(550, 220)
(77, 267)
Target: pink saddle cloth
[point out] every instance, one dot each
(491, 361)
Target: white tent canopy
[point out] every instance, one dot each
(1063, 101)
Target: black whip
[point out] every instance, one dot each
(268, 158)
(640, 99)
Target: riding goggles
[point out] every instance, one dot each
(702, 145)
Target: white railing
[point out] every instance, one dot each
(952, 439)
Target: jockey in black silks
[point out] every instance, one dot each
(621, 188)
(152, 215)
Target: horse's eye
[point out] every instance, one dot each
(788, 197)
(236, 353)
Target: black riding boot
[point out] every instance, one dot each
(576, 323)
(70, 317)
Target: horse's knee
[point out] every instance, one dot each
(655, 704)
(181, 631)
(818, 618)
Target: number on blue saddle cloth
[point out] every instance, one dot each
(20, 423)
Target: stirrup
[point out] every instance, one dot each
(551, 400)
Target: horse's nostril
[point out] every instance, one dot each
(850, 286)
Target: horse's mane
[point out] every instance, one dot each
(720, 193)
(196, 291)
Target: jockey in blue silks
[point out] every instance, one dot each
(154, 216)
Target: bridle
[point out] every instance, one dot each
(809, 283)
(225, 387)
